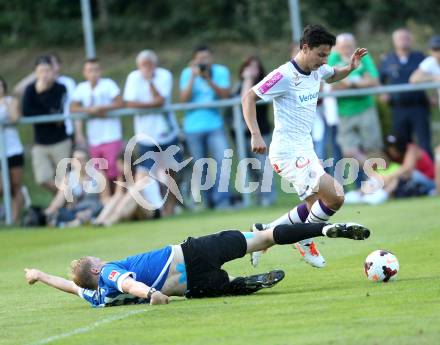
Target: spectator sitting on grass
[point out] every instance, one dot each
(416, 167)
(410, 172)
(88, 194)
(122, 206)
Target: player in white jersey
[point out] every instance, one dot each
(294, 89)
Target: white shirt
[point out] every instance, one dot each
(69, 84)
(162, 128)
(294, 95)
(12, 140)
(431, 66)
(99, 131)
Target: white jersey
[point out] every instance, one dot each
(295, 95)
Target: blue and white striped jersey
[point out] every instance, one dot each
(150, 268)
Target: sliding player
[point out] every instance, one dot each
(191, 269)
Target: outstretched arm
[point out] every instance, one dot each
(248, 102)
(420, 76)
(342, 72)
(142, 290)
(33, 275)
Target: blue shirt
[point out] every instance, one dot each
(209, 119)
(150, 268)
(393, 71)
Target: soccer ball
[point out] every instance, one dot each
(381, 266)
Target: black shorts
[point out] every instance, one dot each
(204, 257)
(16, 161)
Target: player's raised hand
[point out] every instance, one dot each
(358, 54)
(257, 143)
(159, 298)
(31, 275)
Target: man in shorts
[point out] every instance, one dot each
(191, 269)
(294, 89)
(359, 132)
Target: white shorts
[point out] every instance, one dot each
(303, 171)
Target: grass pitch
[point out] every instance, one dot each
(334, 305)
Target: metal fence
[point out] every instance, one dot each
(238, 123)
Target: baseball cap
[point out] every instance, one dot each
(434, 42)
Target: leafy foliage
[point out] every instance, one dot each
(58, 22)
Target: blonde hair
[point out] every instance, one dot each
(81, 274)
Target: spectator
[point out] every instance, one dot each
(410, 110)
(68, 82)
(45, 96)
(201, 82)
(151, 87)
(330, 145)
(122, 206)
(410, 172)
(437, 169)
(429, 69)
(9, 111)
(359, 130)
(251, 73)
(96, 96)
(416, 166)
(87, 192)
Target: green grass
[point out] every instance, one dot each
(334, 305)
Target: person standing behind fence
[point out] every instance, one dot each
(429, 68)
(359, 132)
(45, 96)
(68, 82)
(96, 96)
(151, 86)
(203, 81)
(9, 111)
(410, 110)
(70, 85)
(251, 73)
(429, 71)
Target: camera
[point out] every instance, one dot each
(203, 67)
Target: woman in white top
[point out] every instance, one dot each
(9, 111)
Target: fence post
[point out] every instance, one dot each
(241, 144)
(5, 176)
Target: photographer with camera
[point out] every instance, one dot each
(201, 82)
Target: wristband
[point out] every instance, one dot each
(151, 292)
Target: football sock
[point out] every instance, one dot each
(296, 215)
(319, 213)
(289, 234)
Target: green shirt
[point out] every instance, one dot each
(351, 106)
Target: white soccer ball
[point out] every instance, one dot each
(381, 266)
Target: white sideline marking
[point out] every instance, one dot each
(86, 329)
